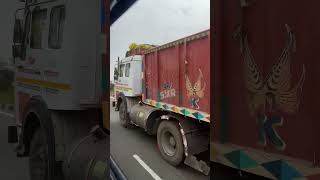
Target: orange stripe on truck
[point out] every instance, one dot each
(43, 83)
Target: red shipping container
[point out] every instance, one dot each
(268, 123)
(177, 76)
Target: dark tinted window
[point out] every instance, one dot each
(39, 17)
(57, 19)
(127, 70)
(122, 70)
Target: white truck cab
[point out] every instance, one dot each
(60, 60)
(59, 52)
(129, 80)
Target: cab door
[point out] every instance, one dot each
(35, 33)
(123, 79)
(27, 66)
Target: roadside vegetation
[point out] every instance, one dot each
(6, 88)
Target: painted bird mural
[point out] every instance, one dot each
(195, 91)
(273, 93)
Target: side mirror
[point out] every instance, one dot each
(17, 34)
(17, 50)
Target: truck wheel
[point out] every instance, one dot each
(170, 142)
(38, 159)
(123, 114)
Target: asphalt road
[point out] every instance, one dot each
(137, 155)
(11, 167)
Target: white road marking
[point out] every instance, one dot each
(147, 168)
(7, 114)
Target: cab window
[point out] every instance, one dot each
(26, 37)
(122, 66)
(115, 74)
(127, 70)
(39, 17)
(57, 19)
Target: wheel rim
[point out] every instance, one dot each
(169, 143)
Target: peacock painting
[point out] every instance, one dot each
(274, 92)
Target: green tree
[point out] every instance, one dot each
(6, 79)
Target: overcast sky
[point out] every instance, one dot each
(157, 22)
(147, 21)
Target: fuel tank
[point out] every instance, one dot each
(88, 159)
(140, 113)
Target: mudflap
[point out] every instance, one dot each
(196, 140)
(15, 138)
(198, 165)
(12, 134)
(197, 149)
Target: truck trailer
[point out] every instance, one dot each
(62, 110)
(165, 90)
(265, 70)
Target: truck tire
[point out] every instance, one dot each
(170, 142)
(124, 116)
(38, 157)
